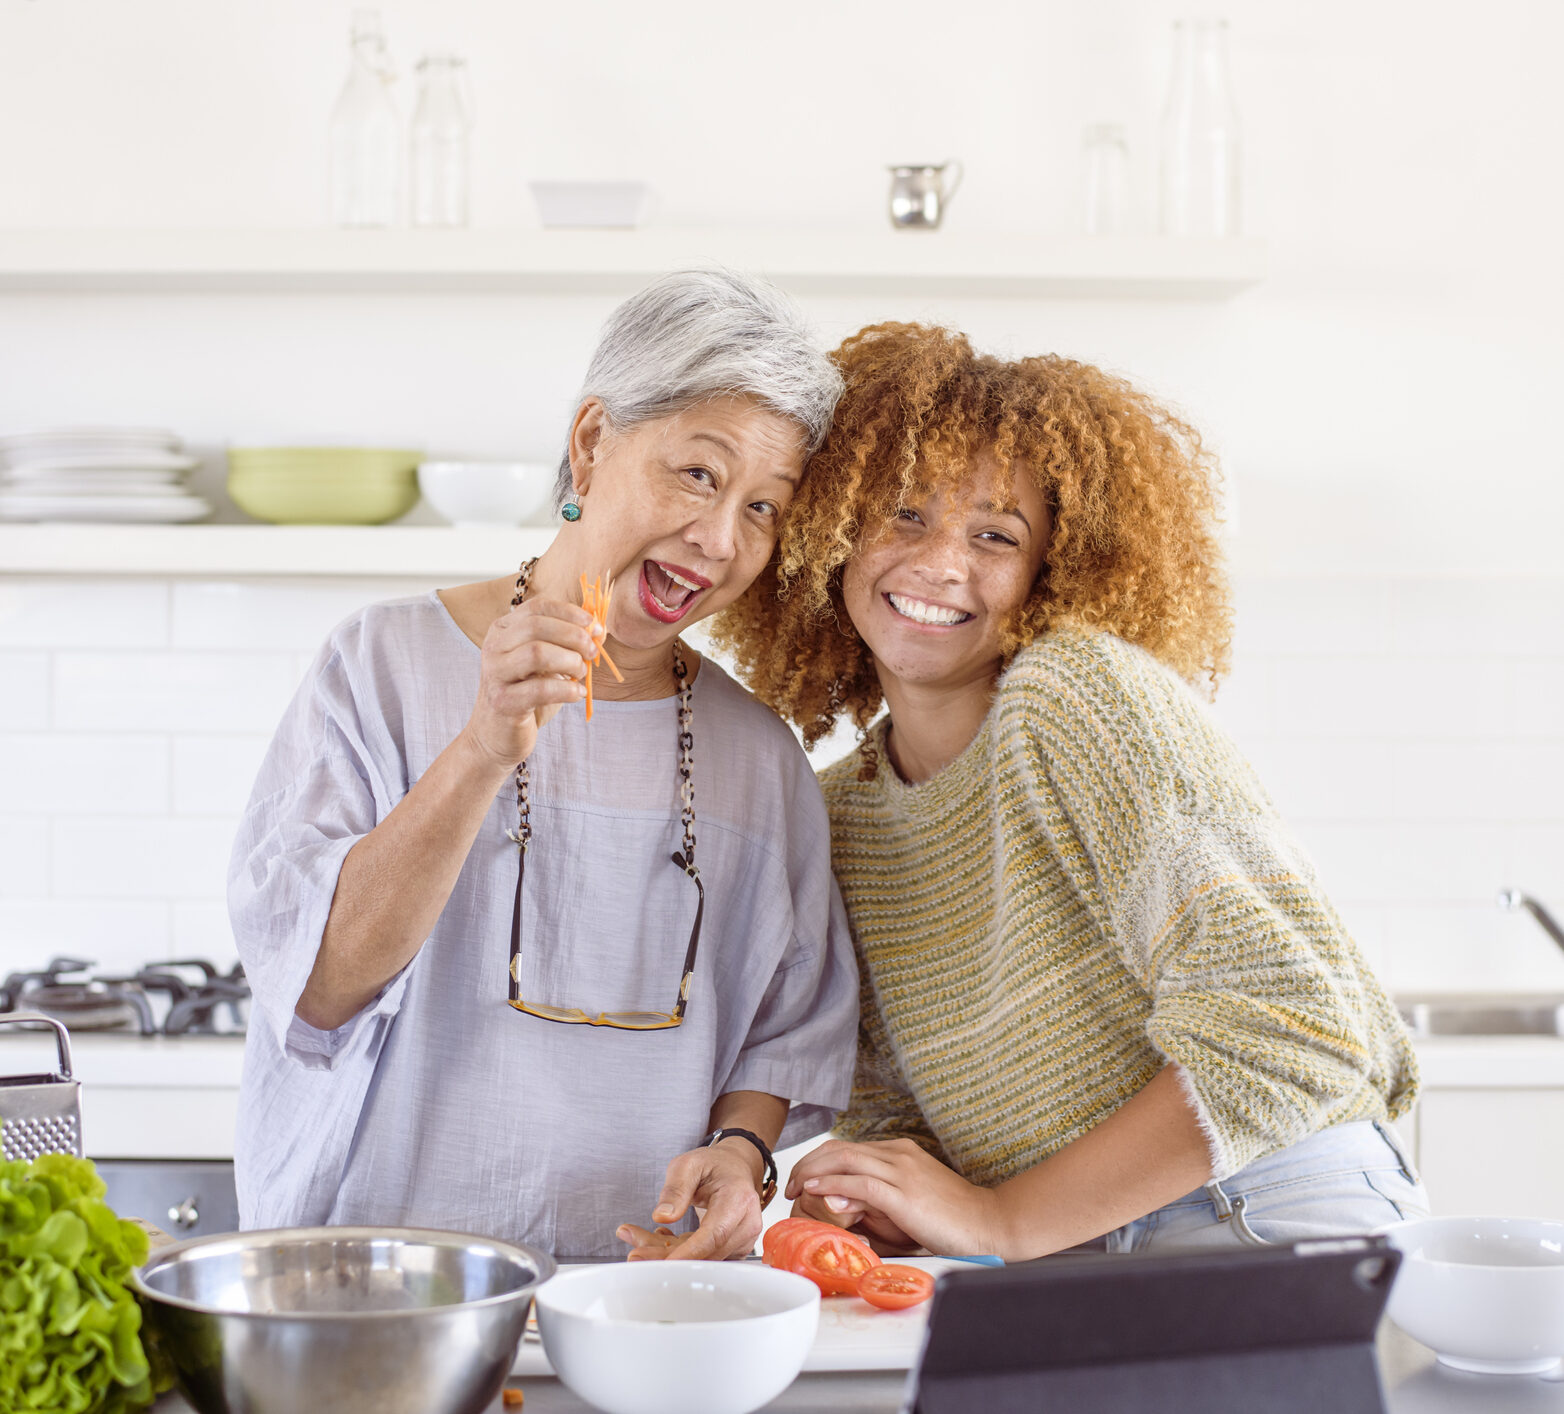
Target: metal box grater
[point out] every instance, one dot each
(40, 1114)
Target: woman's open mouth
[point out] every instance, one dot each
(920, 611)
(667, 591)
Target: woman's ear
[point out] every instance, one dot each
(588, 434)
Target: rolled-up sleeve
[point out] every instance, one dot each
(1258, 995)
(320, 790)
(800, 1044)
(801, 1039)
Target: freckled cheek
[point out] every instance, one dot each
(1013, 594)
(856, 581)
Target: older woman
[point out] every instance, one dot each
(522, 975)
(1104, 996)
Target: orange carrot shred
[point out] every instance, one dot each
(595, 599)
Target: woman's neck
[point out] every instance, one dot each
(648, 672)
(931, 725)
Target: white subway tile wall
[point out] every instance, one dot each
(24, 696)
(212, 773)
(1411, 730)
(24, 856)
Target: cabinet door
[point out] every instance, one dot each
(1498, 1152)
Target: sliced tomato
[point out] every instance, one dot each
(834, 1260)
(780, 1236)
(773, 1237)
(893, 1287)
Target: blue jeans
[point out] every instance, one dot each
(1350, 1178)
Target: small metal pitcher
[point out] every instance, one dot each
(919, 194)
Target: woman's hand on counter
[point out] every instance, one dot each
(1148, 1152)
(899, 1196)
(719, 1180)
(534, 663)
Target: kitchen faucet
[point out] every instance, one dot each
(1514, 899)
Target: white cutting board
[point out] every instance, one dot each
(853, 1335)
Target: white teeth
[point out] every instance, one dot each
(919, 612)
(677, 578)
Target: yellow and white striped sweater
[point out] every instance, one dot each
(1098, 885)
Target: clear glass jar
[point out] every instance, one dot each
(1105, 189)
(441, 123)
(366, 135)
(1199, 180)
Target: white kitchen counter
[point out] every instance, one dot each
(214, 1062)
(1481, 1062)
(118, 1059)
(1414, 1384)
(178, 1097)
(144, 1097)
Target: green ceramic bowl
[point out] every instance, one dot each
(323, 485)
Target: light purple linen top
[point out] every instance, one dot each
(440, 1105)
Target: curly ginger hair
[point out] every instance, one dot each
(1131, 489)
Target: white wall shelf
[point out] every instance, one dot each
(422, 551)
(946, 262)
(391, 551)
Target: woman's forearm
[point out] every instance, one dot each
(396, 880)
(1146, 1154)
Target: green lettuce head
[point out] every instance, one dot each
(70, 1327)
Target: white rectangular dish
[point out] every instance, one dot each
(608, 205)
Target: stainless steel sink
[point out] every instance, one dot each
(1486, 1014)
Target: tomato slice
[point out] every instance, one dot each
(780, 1236)
(834, 1260)
(893, 1287)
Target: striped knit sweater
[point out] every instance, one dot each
(1097, 886)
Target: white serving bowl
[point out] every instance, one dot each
(1485, 1294)
(678, 1337)
(488, 493)
(614, 204)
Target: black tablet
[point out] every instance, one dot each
(1287, 1329)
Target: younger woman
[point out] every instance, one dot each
(1104, 996)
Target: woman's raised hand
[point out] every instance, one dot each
(534, 662)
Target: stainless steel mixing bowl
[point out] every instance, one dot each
(397, 1320)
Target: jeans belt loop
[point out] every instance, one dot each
(1220, 1201)
(1393, 1139)
(1241, 1223)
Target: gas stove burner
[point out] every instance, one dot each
(93, 1006)
(184, 997)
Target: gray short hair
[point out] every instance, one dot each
(700, 334)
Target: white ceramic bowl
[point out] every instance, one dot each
(678, 1337)
(616, 204)
(488, 493)
(1485, 1294)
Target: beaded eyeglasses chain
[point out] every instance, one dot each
(522, 834)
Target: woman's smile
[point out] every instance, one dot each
(668, 592)
(922, 611)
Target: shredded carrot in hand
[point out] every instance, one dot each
(594, 599)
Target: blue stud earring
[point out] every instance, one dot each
(571, 510)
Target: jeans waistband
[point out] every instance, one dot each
(1343, 1148)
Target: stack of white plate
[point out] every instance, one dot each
(97, 474)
